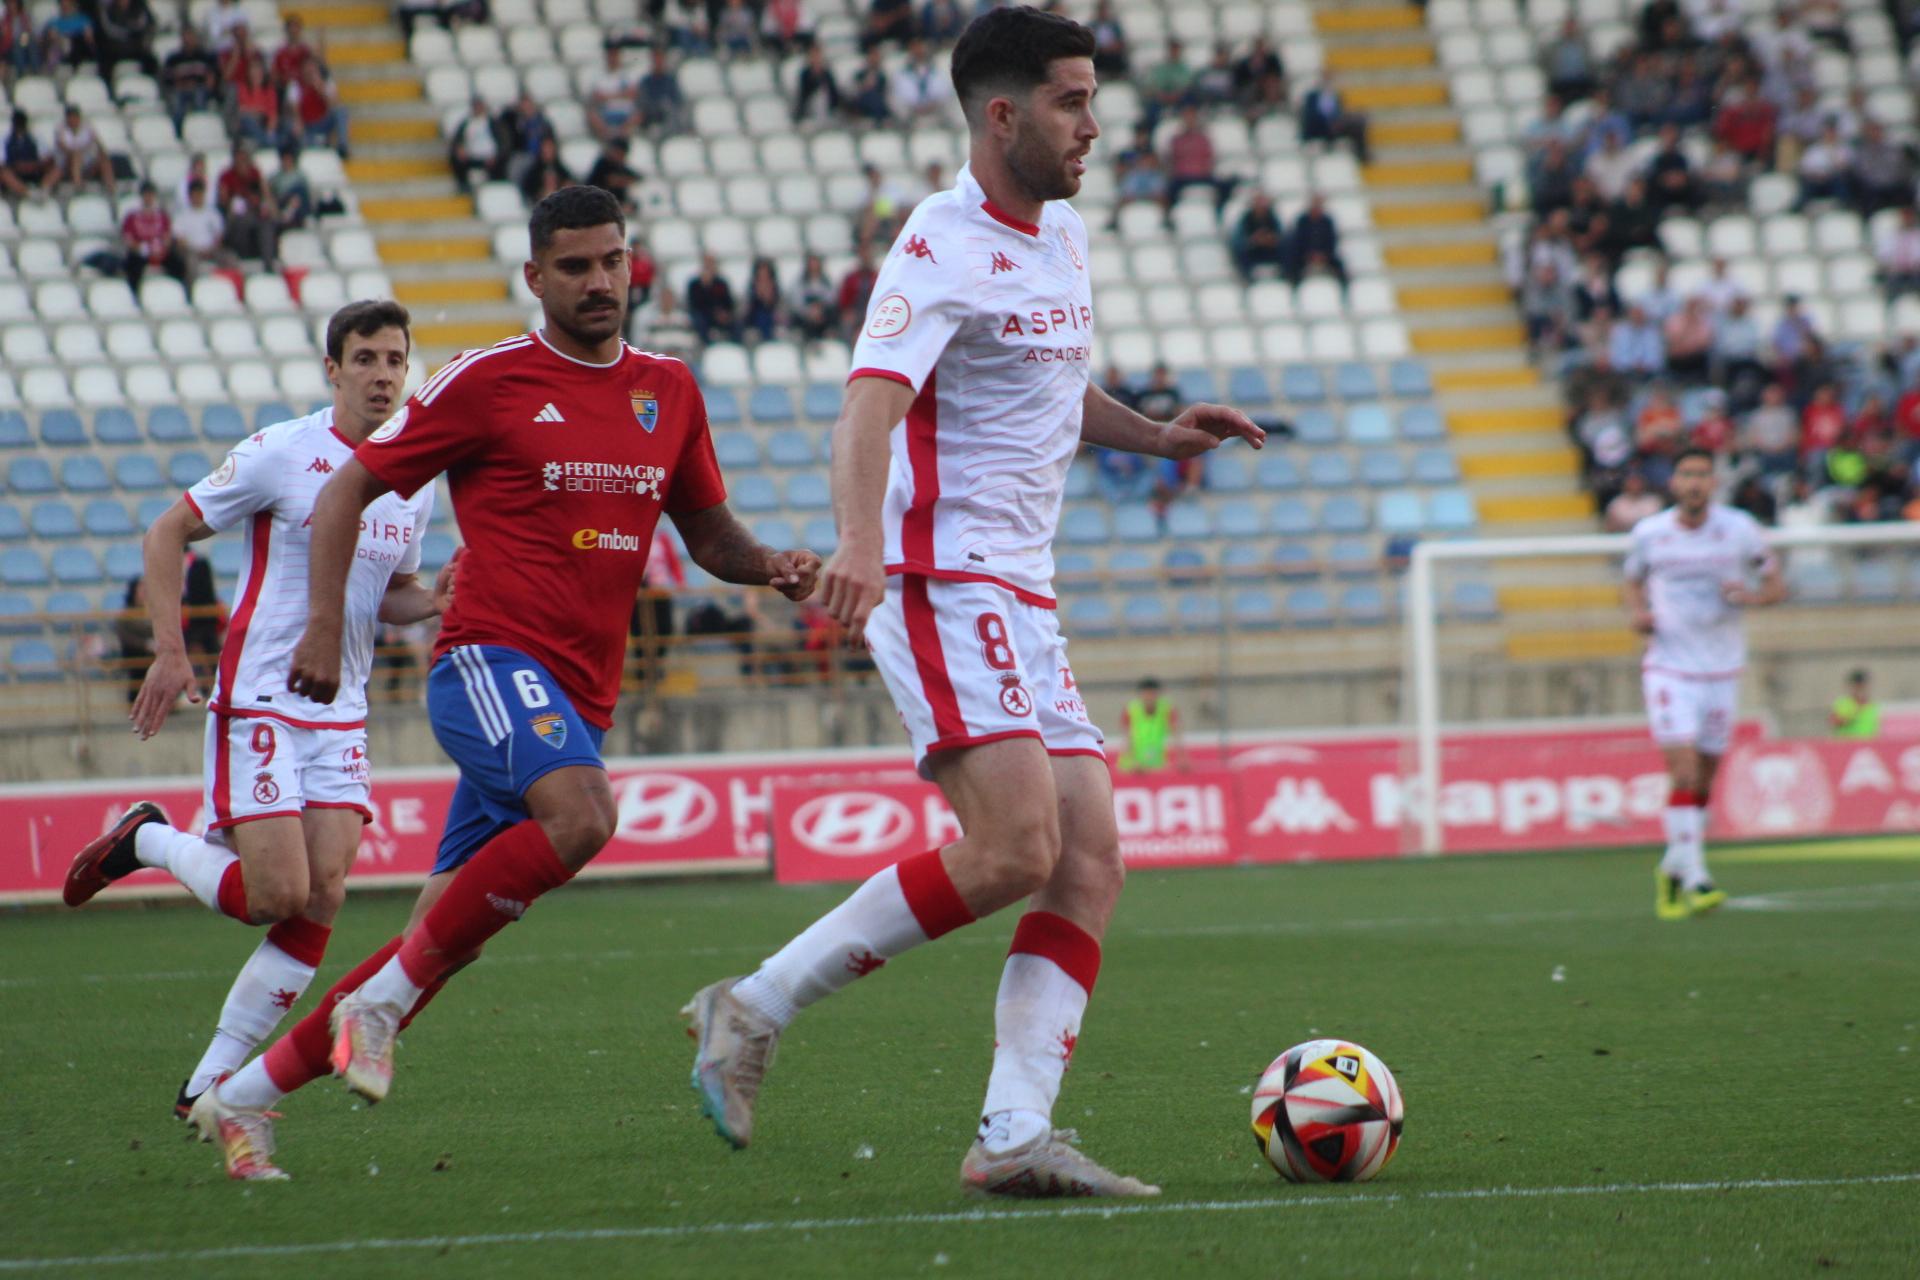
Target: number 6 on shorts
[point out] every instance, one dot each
(527, 684)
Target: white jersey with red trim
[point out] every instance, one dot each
(1687, 571)
(990, 320)
(270, 481)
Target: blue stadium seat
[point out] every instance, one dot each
(1302, 384)
(1473, 602)
(76, 567)
(1364, 605)
(808, 492)
(31, 475)
(116, 426)
(777, 534)
(1410, 380)
(1382, 468)
(1344, 513)
(272, 412)
(1452, 511)
(169, 424)
(1309, 607)
(736, 450)
(1315, 426)
(791, 448)
(13, 430)
(227, 554)
(1073, 569)
(754, 492)
(187, 468)
(1369, 424)
(68, 602)
(84, 473)
(1147, 615)
(138, 473)
(1229, 472)
(1197, 385)
(1197, 611)
(1435, 466)
(16, 613)
(1355, 381)
(723, 407)
(1422, 424)
(1290, 518)
(1238, 519)
(223, 423)
(1090, 616)
(1135, 524)
(1295, 562)
(1131, 569)
(1085, 527)
(1243, 560)
(770, 406)
(123, 561)
(61, 428)
(1255, 607)
(1352, 558)
(820, 536)
(1248, 388)
(820, 402)
(33, 661)
(1079, 483)
(1876, 581)
(151, 509)
(435, 550)
(1401, 512)
(1276, 471)
(13, 525)
(1189, 521)
(1329, 471)
(54, 519)
(1188, 564)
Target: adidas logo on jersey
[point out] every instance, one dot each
(548, 414)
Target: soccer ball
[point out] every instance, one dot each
(1327, 1111)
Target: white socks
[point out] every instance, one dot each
(1686, 857)
(392, 986)
(270, 983)
(251, 1087)
(1036, 1022)
(189, 859)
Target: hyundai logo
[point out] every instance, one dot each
(852, 824)
(660, 808)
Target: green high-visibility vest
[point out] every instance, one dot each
(1147, 734)
(1855, 719)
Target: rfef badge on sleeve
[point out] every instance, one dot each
(646, 410)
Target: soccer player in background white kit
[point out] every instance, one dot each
(1688, 580)
(968, 398)
(287, 779)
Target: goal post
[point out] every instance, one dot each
(1853, 596)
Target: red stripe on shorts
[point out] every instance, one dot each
(930, 656)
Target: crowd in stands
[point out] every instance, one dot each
(1681, 121)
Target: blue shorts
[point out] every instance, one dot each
(507, 724)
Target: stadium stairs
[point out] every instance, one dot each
(437, 254)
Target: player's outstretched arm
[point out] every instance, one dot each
(1772, 590)
(163, 551)
(1108, 423)
(720, 544)
(1633, 594)
(855, 579)
(409, 600)
(315, 670)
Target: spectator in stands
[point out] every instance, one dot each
(1632, 222)
(252, 230)
(1826, 169)
(1586, 217)
(1592, 289)
(223, 18)
(710, 304)
(735, 29)
(613, 102)
(1568, 63)
(662, 325)
(1661, 300)
(546, 174)
(19, 47)
(1159, 399)
(1659, 432)
(1670, 176)
(133, 636)
(199, 228)
(1606, 444)
(1735, 359)
(78, 155)
(856, 287)
(1715, 430)
(68, 39)
(1325, 118)
(1745, 123)
(1551, 176)
(1111, 57)
(1115, 384)
(611, 172)
(476, 150)
(202, 619)
(1315, 244)
(256, 104)
(817, 98)
(1258, 240)
(1551, 241)
(1635, 347)
(1823, 427)
(293, 54)
(1800, 126)
(882, 211)
(1140, 177)
(1897, 250)
(1176, 478)
(869, 89)
(234, 58)
(1213, 83)
(1771, 433)
(920, 91)
(1882, 176)
(190, 77)
(196, 172)
(692, 28)
(815, 312)
(1260, 81)
(1797, 346)
(1609, 168)
(292, 194)
(1191, 163)
(1688, 334)
(315, 102)
(522, 125)
(126, 35)
(1634, 503)
(147, 233)
(766, 310)
(26, 170)
(942, 21)
(1123, 477)
(1720, 289)
(786, 27)
(642, 268)
(1168, 85)
(1547, 304)
(887, 20)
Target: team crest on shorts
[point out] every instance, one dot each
(552, 729)
(1014, 700)
(646, 411)
(265, 790)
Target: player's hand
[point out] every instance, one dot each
(795, 574)
(170, 676)
(1642, 621)
(315, 672)
(1737, 595)
(850, 586)
(443, 582)
(1204, 427)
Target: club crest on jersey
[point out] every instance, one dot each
(646, 410)
(1013, 698)
(552, 729)
(265, 790)
(1073, 251)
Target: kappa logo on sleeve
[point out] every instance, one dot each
(891, 316)
(917, 247)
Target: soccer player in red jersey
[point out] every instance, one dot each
(968, 399)
(562, 448)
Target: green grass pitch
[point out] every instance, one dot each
(1589, 1091)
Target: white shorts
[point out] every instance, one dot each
(260, 768)
(969, 662)
(1688, 712)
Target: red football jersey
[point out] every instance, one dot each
(559, 471)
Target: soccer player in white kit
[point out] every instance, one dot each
(287, 779)
(967, 401)
(1689, 576)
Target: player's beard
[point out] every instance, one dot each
(591, 328)
(1040, 170)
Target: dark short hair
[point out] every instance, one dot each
(363, 319)
(1148, 682)
(573, 209)
(1009, 51)
(1857, 676)
(1692, 451)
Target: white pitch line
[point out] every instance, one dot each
(969, 1217)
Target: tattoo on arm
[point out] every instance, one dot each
(721, 545)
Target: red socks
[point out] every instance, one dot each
(493, 890)
(1056, 938)
(233, 893)
(936, 905)
(300, 1056)
(300, 938)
